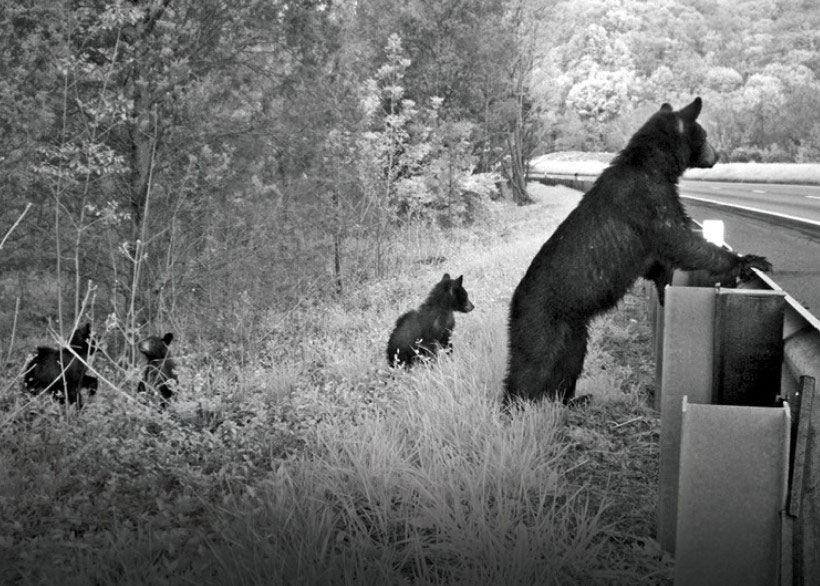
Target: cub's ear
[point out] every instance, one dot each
(168, 338)
(691, 112)
(446, 277)
(666, 107)
(458, 281)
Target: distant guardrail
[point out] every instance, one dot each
(575, 181)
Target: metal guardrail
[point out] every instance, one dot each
(801, 334)
(576, 181)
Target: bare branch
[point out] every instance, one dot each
(2, 242)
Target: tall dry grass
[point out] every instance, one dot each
(311, 463)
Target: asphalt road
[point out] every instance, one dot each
(793, 248)
(796, 201)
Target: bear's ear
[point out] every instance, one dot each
(168, 338)
(446, 277)
(82, 334)
(457, 282)
(666, 107)
(691, 112)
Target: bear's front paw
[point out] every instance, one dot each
(752, 261)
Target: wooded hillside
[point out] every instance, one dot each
(755, 63)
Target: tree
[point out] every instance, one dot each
(142, 114)
(477, 56)
(608, 60)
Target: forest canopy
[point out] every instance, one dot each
(755, 63)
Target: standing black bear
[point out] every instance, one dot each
(160, 372)
(60, 371)
(631, 223)
(423, 331)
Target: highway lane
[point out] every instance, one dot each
(794, 252)
(797, 201)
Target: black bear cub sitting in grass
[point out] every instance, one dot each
(61, 371)
(631, 223)
(160, 373)
(423, 331)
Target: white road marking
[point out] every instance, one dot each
(758, 191)
(751, 209)
(813, 196)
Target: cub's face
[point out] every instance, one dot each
(463, 302)
(82, 341)
(156, 348)
(457, 294)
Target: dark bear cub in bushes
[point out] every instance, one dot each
(160, 373)
(426, 330)
(62, 371)
(631, 223)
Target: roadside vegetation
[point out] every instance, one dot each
(308, 462)
(275, 183)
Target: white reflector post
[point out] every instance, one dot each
(713, 231)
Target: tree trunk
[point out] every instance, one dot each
(143, 138)
(337, 244)
(516, 171)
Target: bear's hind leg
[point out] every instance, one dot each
(526, 380)
(547, 369)
(569, 364)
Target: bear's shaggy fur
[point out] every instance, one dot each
(160, 373)
(426, 330)
(631, 223)
(61, 371)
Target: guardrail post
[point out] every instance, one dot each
(733, 484)
(707, 354)
(748, 332)
(801, 529)
(656, 318)
(686, 357)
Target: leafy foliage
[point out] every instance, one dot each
(171, 149)
(753, 66)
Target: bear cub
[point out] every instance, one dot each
(160, 373)
(426, 330)
(60, 371)
(630, 224)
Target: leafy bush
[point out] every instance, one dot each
(746, 155)
(777, 154)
